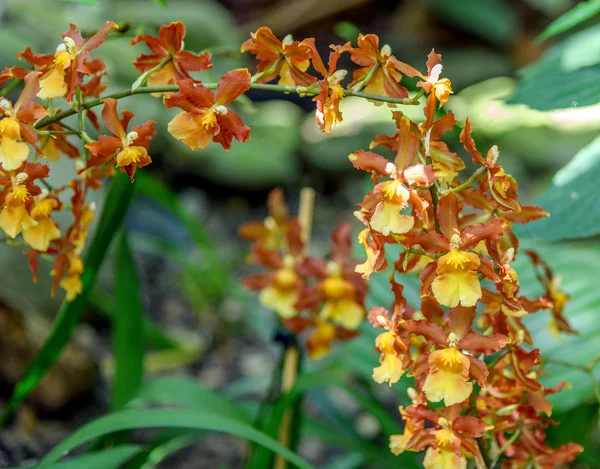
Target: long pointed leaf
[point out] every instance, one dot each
(127, 323)
(575, 16)
(118, 198)
(157, 191)
(186, 392)
(167, 418)
(111, 458)
(104, 303)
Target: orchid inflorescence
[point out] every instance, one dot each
(325, 295)
(465, 345)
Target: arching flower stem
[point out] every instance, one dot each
(45, 121)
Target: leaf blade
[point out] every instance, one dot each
(119, 196)
(575, 16)
(128, 342)
(170, 418)
(574, 210)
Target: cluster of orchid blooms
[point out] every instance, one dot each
(457, 237)
(325, 295)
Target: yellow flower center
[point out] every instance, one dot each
(130, 155)
(209, 119)
(445, 437)
(286, 278)
(451, 358)
(43, 208)
(336, 288)
(19, 193)
(394, 191)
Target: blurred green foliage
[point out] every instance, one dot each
(517, 114)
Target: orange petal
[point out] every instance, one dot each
(232, 85)
(231, 126)
(369, 161)
(172, 36)
(111, 118)
(188, 128)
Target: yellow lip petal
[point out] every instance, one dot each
(191, 130)
(53, 85)
(440, 459)
(15, 218)
(457, 288)
(41, 235)
(281, 301)
(12, 153)
(448, 377)
(387, 219)
(389, 371)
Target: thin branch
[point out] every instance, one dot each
(57, 132)
(497, 358)
(12, 242)
(361, 84)
(141, 80)
(11, 86)
(476, 175)
(45, 121)
(268, 71)
(482, 450)
(506, 445)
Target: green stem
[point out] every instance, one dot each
(80, 109)
(119, 196)
(144, 76)
(45, 121)
(482, 450)
(497, 359)
(11, 86)
(433, 189)
(365, 81)
(12, 242)
(268, 71)
(47, 185)
(506, 445)
(410, 250)
(476, 175)
(57, 132)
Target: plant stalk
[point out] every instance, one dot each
(291, 358)
(45, 121)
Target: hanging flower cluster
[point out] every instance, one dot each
(458, 238)
(465, 345)
(323, 295)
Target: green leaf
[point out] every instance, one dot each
(162, 3)
(571, 200)
(111, 458)
(218, 279)
(128, 343)
(83, 2)
(492, 20)
(104, 303)
(375, 453)
(194, 419)
(346, 30)
(576, 15)
(286, 402)
(567, 75)
(186, 392)
(575, 264)
(117, 201)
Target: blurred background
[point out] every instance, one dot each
(534, 99)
